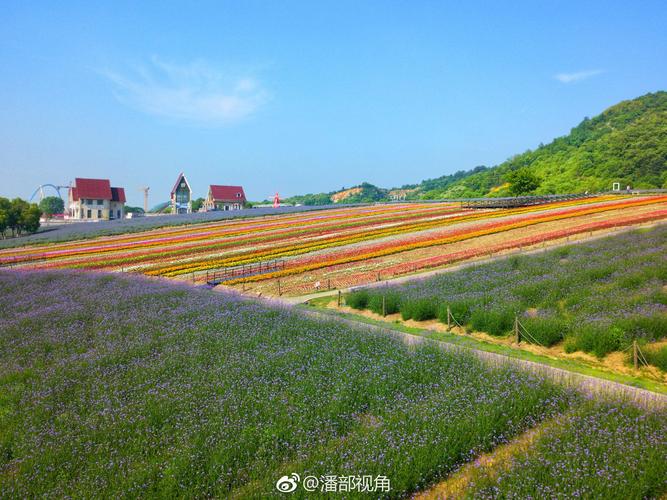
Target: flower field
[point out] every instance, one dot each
(316, 246)
(119, 386)
(596, 297)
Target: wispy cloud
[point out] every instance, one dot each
(577, 76)
(197, 93)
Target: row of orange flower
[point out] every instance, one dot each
(393, 247)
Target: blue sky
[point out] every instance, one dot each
(300, 97)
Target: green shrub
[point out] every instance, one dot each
(546, 331)
(494, 322)
(530, 294)
(461, 310)
(645, 327)
(419, 309)
(599, 340)
(358, 299)
(392, 302)
(406, 310)
(570, 345)
(656, 356)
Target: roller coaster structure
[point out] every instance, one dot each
(40, 190)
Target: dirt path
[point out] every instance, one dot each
(489, 464)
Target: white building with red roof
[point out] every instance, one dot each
(95, 199)
(224, 198)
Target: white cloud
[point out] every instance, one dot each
(195, 93)
(577, 76)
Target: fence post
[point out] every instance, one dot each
(449, 319)
(279, 292)
(378, 275)
(339, 294)
(634, 352)
(328, 283)
(384, 306)
(207, 276)
(516, 329)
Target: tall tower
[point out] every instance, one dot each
(145, 190)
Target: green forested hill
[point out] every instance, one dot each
(627, 143)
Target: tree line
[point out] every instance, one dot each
(18, 216)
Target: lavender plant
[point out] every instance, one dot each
(121, 386)
(596, 451)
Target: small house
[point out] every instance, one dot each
(95, 199)
(225, 198)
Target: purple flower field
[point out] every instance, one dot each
(595, 297)
(114, 386)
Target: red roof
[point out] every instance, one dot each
(118, 194)
(227, 193)
(95, 189)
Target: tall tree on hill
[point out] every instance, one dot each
(522, 182)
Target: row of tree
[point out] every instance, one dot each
(18, 216)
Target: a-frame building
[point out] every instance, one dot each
(181, 196)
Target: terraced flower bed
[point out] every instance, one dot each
(122, 386)
(334, 240)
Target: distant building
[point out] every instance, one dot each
(95, 199)
(181, 196)
(224, 198)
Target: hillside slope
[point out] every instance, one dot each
(627, 143)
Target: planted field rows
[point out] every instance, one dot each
(600, 298)
(336, 241)
(117, 385)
